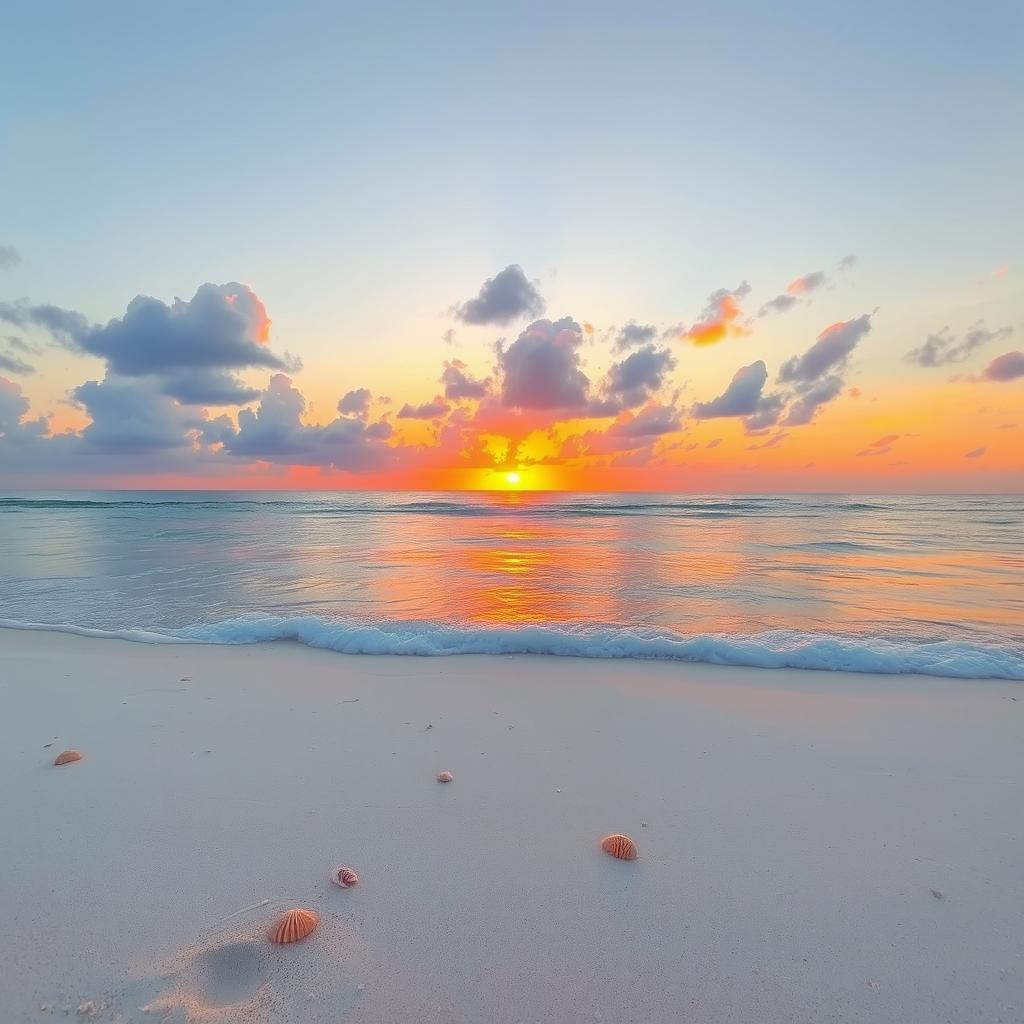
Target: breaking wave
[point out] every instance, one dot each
(775, 649)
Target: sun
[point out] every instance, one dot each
(512, 479)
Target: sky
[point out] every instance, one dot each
(737, 247)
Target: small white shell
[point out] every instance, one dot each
(445, 776)
(344, 877)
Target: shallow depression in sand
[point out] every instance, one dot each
(229, 974)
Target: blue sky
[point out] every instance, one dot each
(365, 167)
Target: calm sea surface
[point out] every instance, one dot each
(932, 584)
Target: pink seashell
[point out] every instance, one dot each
(344, 877)
(68, 756)
(619, 846)
(445, 776)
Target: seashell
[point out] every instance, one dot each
(344, 877)
(445, 776)
(293, 925)
(619, 846)
(67, 757)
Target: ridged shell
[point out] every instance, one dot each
(445, 776)
(67, 757)
(294, 925)
(619, 846)
(344, 877)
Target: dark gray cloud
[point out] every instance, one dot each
(880, 447)
(769, 408)
(459, 384)
(1008, 366)
(427, 411)
(206, 387)
(651, 421)
(507, 296)
(20, 345)
(132, 416)
(15, 364)
(13, 406)
(66, 326)
(222, 327)
(541, 368)
(187, 347)
(803, 408)
(944, 347)
(636, 378)
(829, 352)
(633, 334)
(798, 287)
(773, 442)
(741, 398)
(355, 403)
(777, 305)
(9, 257)
(274, 432)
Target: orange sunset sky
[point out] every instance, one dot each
(401, 261)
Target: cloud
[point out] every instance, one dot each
(428, 411)
(633, 334)
(807, 283)
(66, 326)
(274, 432)
(777, 305)
(720, 316)
(205, 387)
(9, 257)
(541, 368)
(830, 351)
(15, 364)
(1008, 366)
(773, 442)
(13, 406)
(132, 417)
(975, 453)
(799, 286)
(880, 447)
(507, 296)
(636, 378)
(355, 403)
(221, 327)
(458, 384)
(802, 409)
(651, 421)
(943, 347)
(846, 263)
(743, 396)
(713, 443)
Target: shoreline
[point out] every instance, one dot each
(792, 827)
(782, 649)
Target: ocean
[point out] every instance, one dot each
(931, 585)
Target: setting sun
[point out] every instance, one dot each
(512, 479)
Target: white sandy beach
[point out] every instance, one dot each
(814, 847)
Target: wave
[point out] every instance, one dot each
(776, 649)
(687, 508)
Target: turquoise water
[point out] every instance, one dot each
(930, 584)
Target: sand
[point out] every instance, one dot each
(814, 847)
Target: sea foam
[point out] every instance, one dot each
(779, 648)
